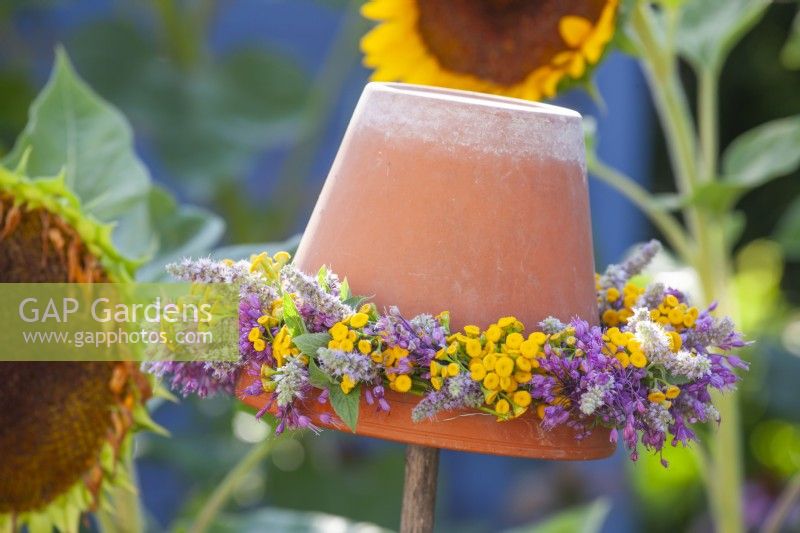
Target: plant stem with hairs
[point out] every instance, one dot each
(706, 248)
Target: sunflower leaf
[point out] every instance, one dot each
(708, 29)
(71, 127)
(185, 231)
(766, 152)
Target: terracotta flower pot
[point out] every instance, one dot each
(476, 204)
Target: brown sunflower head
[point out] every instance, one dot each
(520, 48)
(63, 424)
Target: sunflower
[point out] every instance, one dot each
(520, 48)
(67, 426)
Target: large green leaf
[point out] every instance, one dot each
(584, 519)
(182, 231)
(788, 231)
(790, 53)
(71, 127)
(206, 120)
(763, 153)
(708, 29)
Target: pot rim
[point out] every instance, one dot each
(471, 98)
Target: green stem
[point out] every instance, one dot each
(708, 81)
(125, 513)
(712, 262)
(222, 493)
(780, 511)
(669, 99)
(666, 223)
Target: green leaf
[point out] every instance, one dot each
(764, 153)
(584, 519)
(344, 290)
(788, 231)
(318, 378)
(708, 29)
(790, 54)
(322, 277)
(354, 302)
(716, 196)
(292, 317)
(309, 343)
(184, 231)
(207, 122)
(346, 405)
(71, 127)
(142, 418)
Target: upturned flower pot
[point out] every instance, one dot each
(470, 203)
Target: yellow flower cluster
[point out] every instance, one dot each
(501, 358)
(627, 298)
(269, 266)
(664, 397)
(348, 335)
(671, 312)
(625, 347)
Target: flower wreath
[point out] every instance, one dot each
(647, 370)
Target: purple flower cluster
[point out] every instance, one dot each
(583, 387)
(422, 336)
(456, 393)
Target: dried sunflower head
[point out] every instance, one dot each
(67, 426)
(518, 48)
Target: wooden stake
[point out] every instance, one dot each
(419, 491)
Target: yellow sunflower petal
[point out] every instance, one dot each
(574, 30)
(387, 36)
(386, 9)
(577, 66)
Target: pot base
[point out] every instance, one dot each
(466, 431)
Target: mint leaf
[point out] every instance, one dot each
(346, 405)
(344, 290)
(355, 302)
(309, 343)
(322, 277)
(318, 378)
(292, 317)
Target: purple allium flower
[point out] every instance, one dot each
(422, 336)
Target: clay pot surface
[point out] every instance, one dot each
(450, 200)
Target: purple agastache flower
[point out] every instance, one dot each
(320, 308)
(457, 392)
(337, 363)
(196, 377)
(617, 275)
